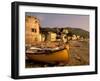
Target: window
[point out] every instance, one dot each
(36, 22)
(33, 30)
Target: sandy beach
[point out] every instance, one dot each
(78, 55)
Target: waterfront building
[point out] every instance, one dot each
(32, 29)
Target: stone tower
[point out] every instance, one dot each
(32, 29)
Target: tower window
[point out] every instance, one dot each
(33, 30)
(35, 21)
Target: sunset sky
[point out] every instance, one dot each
(62, 20)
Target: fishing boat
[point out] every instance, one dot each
(48, 55)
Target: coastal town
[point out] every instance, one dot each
(37, 37)
(36, 34)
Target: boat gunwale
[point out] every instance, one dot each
(46, 52)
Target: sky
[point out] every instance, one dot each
(62, 20)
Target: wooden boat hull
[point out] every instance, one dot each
(61, 56)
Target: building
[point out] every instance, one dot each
(74, 37)
(64, 38)
(32, 29)
(78, 37)
(41, 37)
(65, 31)
(51, 36)
(69, 38)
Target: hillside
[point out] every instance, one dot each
(79, 31)
(76, 31)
